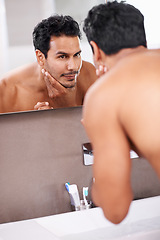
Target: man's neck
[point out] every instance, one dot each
(115, 58)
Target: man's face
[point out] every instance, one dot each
(64, 60)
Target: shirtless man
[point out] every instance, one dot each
(122, 109)
(59, 78)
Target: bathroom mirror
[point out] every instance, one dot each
(22, 16)
(18, 19)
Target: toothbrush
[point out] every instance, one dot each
(67, 186)
(74, 194)
(85, 194)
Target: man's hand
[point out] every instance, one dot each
(55, 89)
(42, 106)
(101, 70)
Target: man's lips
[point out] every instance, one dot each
(70, 75)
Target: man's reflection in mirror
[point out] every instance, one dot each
(58, 79)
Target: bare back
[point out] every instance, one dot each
(132, 90)
(139, 107)
(22, 88)
(121, 110)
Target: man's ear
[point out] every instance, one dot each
(40, 58)
(96, 53)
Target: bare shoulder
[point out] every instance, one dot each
(86, 77)
(18, 76)
(13, 80)
(88, 71)
(24, 71)
(156, 51)
(7, 92)
(86, 66)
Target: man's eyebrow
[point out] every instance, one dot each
(64, 53)
(78, 52)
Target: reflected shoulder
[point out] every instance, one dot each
(20, 74)
(88, 72)
(87, 67)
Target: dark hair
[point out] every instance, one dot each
(114, 26)
(54, 26)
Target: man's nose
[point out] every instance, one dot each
(72, 64)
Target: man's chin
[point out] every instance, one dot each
(68, 84)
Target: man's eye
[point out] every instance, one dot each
(62, 56)
(78, 55)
